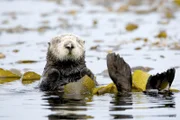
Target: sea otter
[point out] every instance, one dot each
(65, 62)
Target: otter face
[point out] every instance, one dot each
(67, 47)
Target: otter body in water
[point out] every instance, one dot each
(65, 62)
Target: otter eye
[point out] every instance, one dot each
(82, 41)
(78, 40)
(58, 41)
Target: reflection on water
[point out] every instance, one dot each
(66, 108)
(19, 102)
(131, 106)
(121, 103)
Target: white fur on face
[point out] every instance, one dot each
(57, 47)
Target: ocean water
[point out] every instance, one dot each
(27, 26)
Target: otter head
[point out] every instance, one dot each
(67, 47)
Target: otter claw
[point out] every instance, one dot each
(119, 72)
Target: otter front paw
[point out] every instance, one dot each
(49, 80)
(119, 72)
(53, 75)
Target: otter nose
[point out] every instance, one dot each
(69, 46)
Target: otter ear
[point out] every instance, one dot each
(83, 42)
(49, 43)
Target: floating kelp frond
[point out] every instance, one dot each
(6, 80)
(8, 74)
(31, 76)
(83, 86)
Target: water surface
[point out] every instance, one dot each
(27, 26)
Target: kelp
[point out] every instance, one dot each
(8, 74)
(14, 74)
(83, 86)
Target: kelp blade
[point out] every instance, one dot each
(6, 80)
(140, 79)
(8, 74)
(83, 86)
